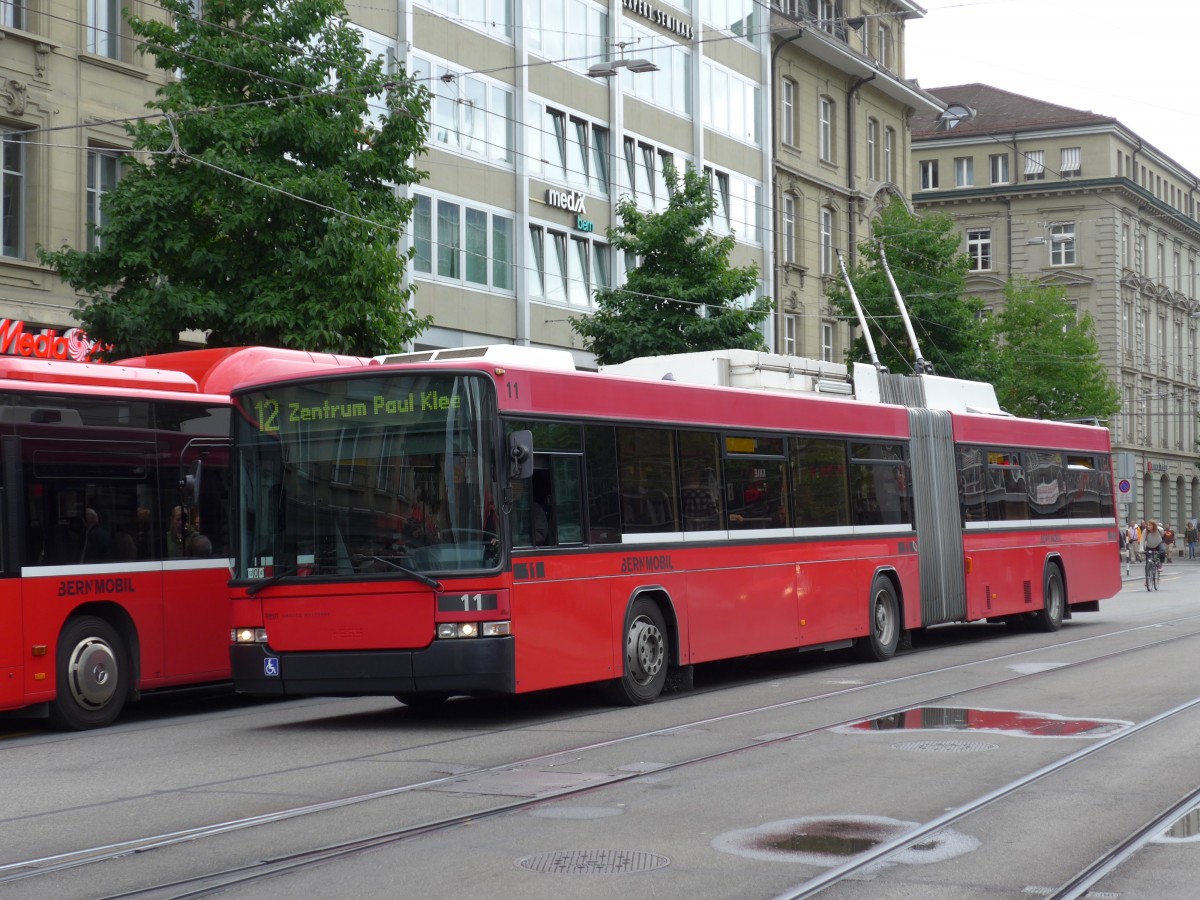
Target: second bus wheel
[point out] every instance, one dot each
(93, 675)
(645, 655)
(1050, 616)
(884, 612)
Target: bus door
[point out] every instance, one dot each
(196, 605)
(939, 518)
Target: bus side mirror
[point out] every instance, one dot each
(190, 483)
(520, 454)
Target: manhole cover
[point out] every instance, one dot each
(945, 746)
(593, 862)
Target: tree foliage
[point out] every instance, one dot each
(683, 295)
(1049, 362)
(263, 211)
(923, 254)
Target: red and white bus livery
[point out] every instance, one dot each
(496, 522)
(114, 527)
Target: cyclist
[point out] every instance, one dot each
(1152, 542)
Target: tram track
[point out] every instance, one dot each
(271, 867)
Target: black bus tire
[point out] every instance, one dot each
(1050, 617)
(93, 675)
(884, 616)
(645, 653)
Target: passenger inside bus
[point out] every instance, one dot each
(97, 542)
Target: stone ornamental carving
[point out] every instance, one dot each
(13, 95)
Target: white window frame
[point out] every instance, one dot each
(998, 168)
(979, 249)
(929, 174)
(104, 28)
(431, 245)
(1035, 165)
(889, 146)
(825, 116)
(787, 229)
(790, 332)
(826, 241)
(827, 341)
(14, 164)
(964, 171)
(1062, 244)
(872, 149)
(787, 102)
(103, 173)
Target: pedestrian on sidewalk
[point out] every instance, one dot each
(1169, 541)
(1189, 535)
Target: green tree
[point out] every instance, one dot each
(683, 295)
(930, 271)
(1049, 361)
(263, 209)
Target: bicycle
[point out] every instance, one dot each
(1154, 564)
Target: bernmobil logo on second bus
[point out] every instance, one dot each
(73, 343)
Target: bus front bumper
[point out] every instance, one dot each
(478, 666)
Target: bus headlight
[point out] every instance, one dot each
(473, 629)
(249, 636)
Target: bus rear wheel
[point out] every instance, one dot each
(880, 644)
(1050, 617)
(92, 675)
(645, 656)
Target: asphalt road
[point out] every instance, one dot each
(770, 775)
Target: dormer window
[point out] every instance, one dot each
(953, 114)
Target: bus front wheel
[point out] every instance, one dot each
(645, 656)
(92, 675)
(880, 644)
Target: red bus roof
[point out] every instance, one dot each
(1013, 432)
(218, 370)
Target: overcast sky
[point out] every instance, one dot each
(1138, 62)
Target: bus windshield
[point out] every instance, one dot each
(367, 476)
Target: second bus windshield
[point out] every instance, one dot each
(359, 476)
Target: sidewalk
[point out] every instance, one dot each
(1134, 571)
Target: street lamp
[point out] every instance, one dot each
(609, 69)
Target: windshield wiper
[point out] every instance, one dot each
(274, 579)
(411, 573)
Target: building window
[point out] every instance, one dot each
(12, 13)
(998, 164)
(1062, 244)
(827, 341)
(827, 261)
(474, 116)
(1160, 270)
(1125, 248)
(787, 101)
(103, 171)
(104, 28)
(12, 203)
(979, 248)
(1035, 165)
(826, 129)
(1070, 167)
(884, 52)
(964, 171)
(787, 229)
(566, 268)
(462, 244)
(889, 145)
(730, 103)
(789, 335)
(872, 150)
(929, 174)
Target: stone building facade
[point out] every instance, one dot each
(1068, 197)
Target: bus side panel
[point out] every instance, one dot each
(562, 621)
(12, 687)
(834, 586)
(197, 618)
(112, 592)
(1090, 572)
(735, 609)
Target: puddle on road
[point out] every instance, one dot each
(992, 721)
(1185, 830)
(830, 840)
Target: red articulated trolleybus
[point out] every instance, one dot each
(114, 526)
(493, 521)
